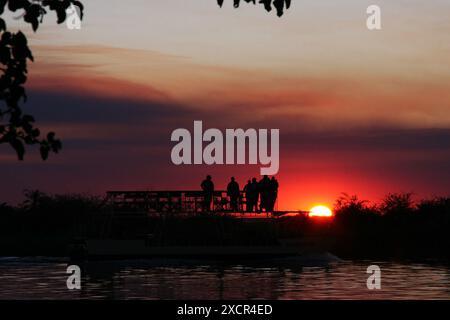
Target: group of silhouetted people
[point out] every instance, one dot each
(264, 192)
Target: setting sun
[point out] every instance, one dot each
(320, 211)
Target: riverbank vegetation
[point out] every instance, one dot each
(397, 227)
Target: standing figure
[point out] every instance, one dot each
(234, 193)
(273, 193)
(264, 190)
(247, 191)
(255, 194)
(208, 193)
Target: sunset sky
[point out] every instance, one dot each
(359, 111)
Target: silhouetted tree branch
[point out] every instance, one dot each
(279, 5)
(17, 128)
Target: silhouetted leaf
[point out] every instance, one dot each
(2, 6)
(17, 93)
(2, 25)
(44, 150)
(18, 4)
(6, 38)
(27, 127)
(18, 146)
(61, 14)
(5, 55)
(19, 39)
(56, 145)
(33, 12)
(35, 133)
(28, 118)
(81, 7)
(279, 5)
(50, 136)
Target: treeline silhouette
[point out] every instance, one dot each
(397, 227)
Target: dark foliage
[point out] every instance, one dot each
(16, 127)
(279, 5)
(396, 228)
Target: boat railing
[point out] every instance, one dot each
(172, 201)
(184, 202)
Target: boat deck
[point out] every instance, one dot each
(187, 202)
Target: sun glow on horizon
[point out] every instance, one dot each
(320, 211)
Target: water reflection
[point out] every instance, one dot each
(171, 279)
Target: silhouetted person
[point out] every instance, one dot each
(264, 190)
(234, 193)
(247, 191)
(254, 194)
(208, 193)
(273, 193)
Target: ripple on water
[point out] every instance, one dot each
(32, 278)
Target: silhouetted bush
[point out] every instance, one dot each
(397, 227)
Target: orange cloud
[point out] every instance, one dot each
(251, 94)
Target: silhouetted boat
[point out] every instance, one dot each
(124, 249)
(105, 249)
(163, 205)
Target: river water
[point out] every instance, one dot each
(44, 278)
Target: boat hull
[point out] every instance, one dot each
(126, 249)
